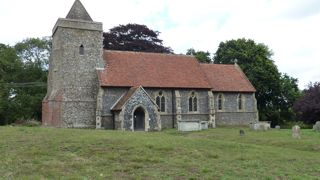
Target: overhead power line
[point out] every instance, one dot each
(25, 84)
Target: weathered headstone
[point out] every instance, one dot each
(241, 132)
(277, 127)
(296, 132)
(316, 126)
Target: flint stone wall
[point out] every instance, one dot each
(75, 74)
(230, 115)
(109, 98)
(167, 119)
(141, 99)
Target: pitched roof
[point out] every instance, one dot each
(129, 69)
(119, 104)
(78, 11)
(227, 78)
(123, 99)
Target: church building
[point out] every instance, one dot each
(89, 87)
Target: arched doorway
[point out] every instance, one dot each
(138, 119)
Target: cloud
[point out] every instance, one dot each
(289, 27)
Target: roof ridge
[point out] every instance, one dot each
(141, 52)
(212, 64)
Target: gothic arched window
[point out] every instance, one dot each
(220, 102)
(161, 101)
(81, 49)
(193, 102)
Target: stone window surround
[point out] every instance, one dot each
(243, 102)
(165, 101)
(220, 95)
(195, 95)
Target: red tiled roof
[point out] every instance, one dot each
(227, 78)
(129, 69)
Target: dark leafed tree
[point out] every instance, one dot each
(202, 57)
(255, 60)
(308, 106)
(134, 37)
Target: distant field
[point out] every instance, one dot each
(41, 153)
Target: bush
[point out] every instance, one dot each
(27, 123)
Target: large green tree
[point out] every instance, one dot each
(290, 93)
(23, 76)
(134, 37)
(202, 56)
(10, 67)
(35, 51)
(255, 60)
(31, 87)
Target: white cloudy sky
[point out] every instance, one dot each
(289, 27)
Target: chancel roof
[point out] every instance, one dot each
(227, 78)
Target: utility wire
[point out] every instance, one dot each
(26, 84)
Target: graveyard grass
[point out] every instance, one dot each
(50, 153)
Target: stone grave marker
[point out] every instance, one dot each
(316, 126)
(296, 132)
(241, 132)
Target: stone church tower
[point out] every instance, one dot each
(72, 81)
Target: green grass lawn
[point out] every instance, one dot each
(40, 153)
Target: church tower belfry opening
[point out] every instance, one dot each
(72, 81)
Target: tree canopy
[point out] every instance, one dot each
(35, 50)
(134, 37)
(255, 60)
(202, 56)
(308, 106)
(23, 76)
(10, 66)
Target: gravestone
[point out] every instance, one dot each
(296, 132)
(277, 127)
(316, 126)
(241, 132)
